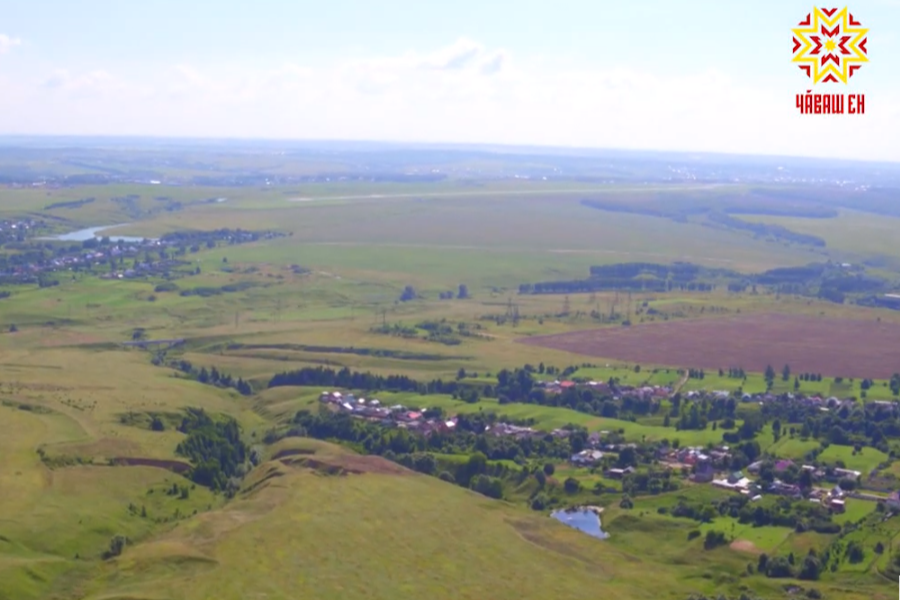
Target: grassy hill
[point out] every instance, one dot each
(374, 532)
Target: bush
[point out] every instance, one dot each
(116, 546)
(714, 539)
(694, 534)
(539, 502)
(167, 286)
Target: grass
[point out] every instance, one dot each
(792, 448)
(372, 549)
(855, 232)
(865, 461)
(54, 520)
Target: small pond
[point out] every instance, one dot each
(583, 519)
(88, 233)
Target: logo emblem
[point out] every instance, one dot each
(830, 45)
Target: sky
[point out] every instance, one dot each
(692, 75)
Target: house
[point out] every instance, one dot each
(619, 473)
(783, 465)
(784, 489)
(586, 458)
(704, 473)
(837, 505)
(755, 467)
(893, 501)
(816, 472)
(736, 482)
(846, 474)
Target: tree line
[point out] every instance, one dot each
(210, 377)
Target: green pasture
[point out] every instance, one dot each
(864, 461)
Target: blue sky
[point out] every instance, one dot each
(709, 75)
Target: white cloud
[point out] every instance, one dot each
(465, 92)
(6, 42)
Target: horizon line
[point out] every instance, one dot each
(483, 146)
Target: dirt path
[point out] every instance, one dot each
(681, 383)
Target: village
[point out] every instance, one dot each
(699, 465)
(147, 257)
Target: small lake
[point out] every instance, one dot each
(88, 233)
(584, 520)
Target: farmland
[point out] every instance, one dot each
(108, 490)
(853, 348)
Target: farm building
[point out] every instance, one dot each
(587, 458)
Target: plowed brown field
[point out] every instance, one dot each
(832, 347)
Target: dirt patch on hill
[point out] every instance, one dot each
(349, 464)
(745, 546)
(289, 452)
(833, 347)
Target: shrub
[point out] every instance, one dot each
(572, 485)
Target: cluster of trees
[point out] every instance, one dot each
(213, 377)
(212, 237)
(229, 288)
(813, 377)
(461, 294)
(71, 204)
(895, 384)
(355, 380)
(810, 568)
(652, 482)
(697, 414)
(475, 473)
(467, 437)
(733, 373)
(519, 386)
(850, 425)
(215, 448)
(784, 513)
(776, 232)
(600, 285)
